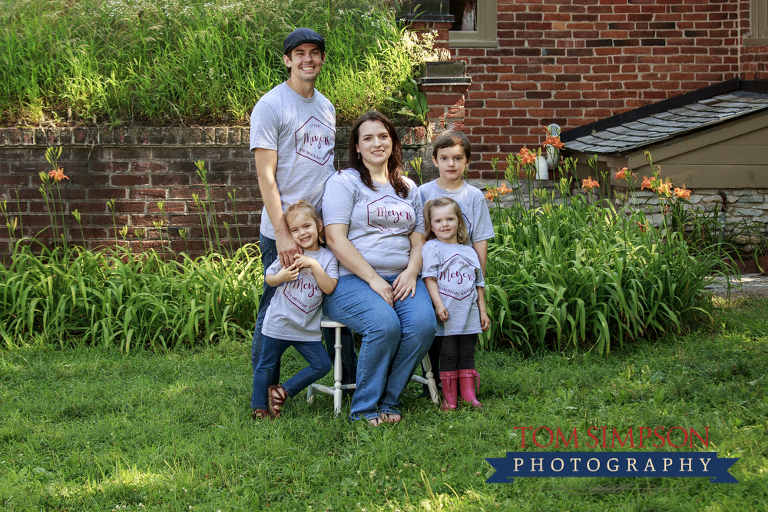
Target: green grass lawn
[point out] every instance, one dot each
(91, 429)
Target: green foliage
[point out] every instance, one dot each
(575, 274)
(62, 293)
(414, 104)
(117, 298)
(90, 429)
(196, 61)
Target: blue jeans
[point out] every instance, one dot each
(395, 340)
(268, 248)
(272, 350)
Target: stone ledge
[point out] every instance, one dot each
(223, 136)
(233, 136)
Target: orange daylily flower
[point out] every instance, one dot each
(647, 183)
(683, 193)
(625, 174)
(526, 156)
(665, 188)
(554, 141)
(57, 175)
(494, 192)
(589, 183)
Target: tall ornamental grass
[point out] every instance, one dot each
(575, 273)
(117, 298)
(191, 61)
(57, 292)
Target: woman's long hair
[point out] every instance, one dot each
(395, 162)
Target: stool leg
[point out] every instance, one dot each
(431, 384)
(337, 373)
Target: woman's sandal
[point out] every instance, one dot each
(261, 414)
(276, 397)
(375, 421)
(390, 417)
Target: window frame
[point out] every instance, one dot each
(485, 35)
(758, 24)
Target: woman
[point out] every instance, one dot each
(374, 225)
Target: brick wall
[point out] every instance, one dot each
(137, 168)
(573, 62)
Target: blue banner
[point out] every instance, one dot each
(613, 464)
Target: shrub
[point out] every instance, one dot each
(575, 272)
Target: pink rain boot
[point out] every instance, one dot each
(467, 386)
(450, 382)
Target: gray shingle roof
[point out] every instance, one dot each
(671, 123)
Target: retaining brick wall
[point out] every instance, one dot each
(137, 168)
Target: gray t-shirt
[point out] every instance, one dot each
(303, 132)
(294, 313)
(379, 220)
(473, 207)
(457, 271)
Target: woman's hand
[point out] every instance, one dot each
(380, 286)
(405, 284)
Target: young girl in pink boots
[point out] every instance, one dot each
(451, 272)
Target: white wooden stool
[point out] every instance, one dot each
(338, 387)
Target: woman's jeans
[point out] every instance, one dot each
(395, 340)
(271, 351)
(268, 248)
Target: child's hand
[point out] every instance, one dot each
(304, 261)
(286, 274)
(442, 313)
(485, 322)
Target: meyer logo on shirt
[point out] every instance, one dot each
(315, 141)
(456, 278)
(391, 215)
(304, 292)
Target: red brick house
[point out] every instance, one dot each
(574, 62)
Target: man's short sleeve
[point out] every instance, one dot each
(265, 127)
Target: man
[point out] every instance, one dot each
(293, 130)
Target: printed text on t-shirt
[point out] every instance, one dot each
(315, 140)
(392, 215)
(456, 277)
(304, 292)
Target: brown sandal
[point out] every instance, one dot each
(276, 397)
(261, 414)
